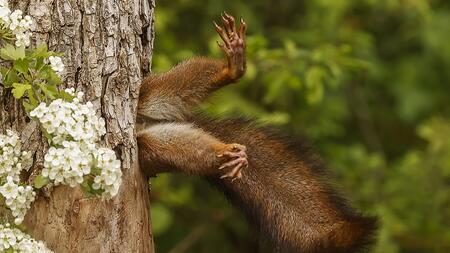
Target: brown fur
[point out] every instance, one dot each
(181, 91)
(180, 147)
(284, 191)
(286, 194)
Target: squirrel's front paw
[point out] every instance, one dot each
(236, 160)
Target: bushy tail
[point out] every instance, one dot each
(287, 195)
(354, 235)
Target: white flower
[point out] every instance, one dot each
(15, 17)
(18, 198)
(3, 3)
(39, 111)
(56, 64)
(74, 130)
(110, 176)
(9, 189)
(23, 39)
(4, 13)
(12, 158)
(70, 91)
(19, 26)
(70, 120)
(68, 164)
(14, 240)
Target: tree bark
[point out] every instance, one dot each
(107, 46)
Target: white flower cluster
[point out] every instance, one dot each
(73, 121)
(20, 26)
(17, 198)
(110, 176)
(56, 64)
(11, 156)
(14, 240)
(68, 164)
(74, 131)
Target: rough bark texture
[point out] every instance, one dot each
(107, 46)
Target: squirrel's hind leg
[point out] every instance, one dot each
(181, 147)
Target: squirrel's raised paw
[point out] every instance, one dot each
(233, 44)
(236, 160)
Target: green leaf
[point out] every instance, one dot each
(41, 51)
(22, 66)
(88, 191)
(32, 98)
(4, 70)
(9, 52)
(49, 90)
(66, 96)
(86, 188)
(11, 78)
(97, 192)
(96, 171)
(41, 181)
(28, 106)
(46, 134)
(53, 78)
(19, 89)
(39, 63)
(48, 74)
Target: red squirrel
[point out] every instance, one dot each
(282, 188)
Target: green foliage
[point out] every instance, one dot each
(19, 89)
(41, 181)
(10, 52)
(367, 81)
(87, 188)
(30, 78)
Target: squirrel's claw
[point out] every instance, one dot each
(223, 36)
(238, 156)
(236, 162)
(235, 172)
(233, 44)
(242, 29)
(234, 38)
(229, 24)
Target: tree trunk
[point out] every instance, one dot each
(107, 46)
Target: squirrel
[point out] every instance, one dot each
(282, 188)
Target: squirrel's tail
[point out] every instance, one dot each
(286, 194)
(354, 234)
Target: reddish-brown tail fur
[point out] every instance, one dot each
(286, 194)
(354, 234)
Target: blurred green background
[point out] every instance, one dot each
(368, 81)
